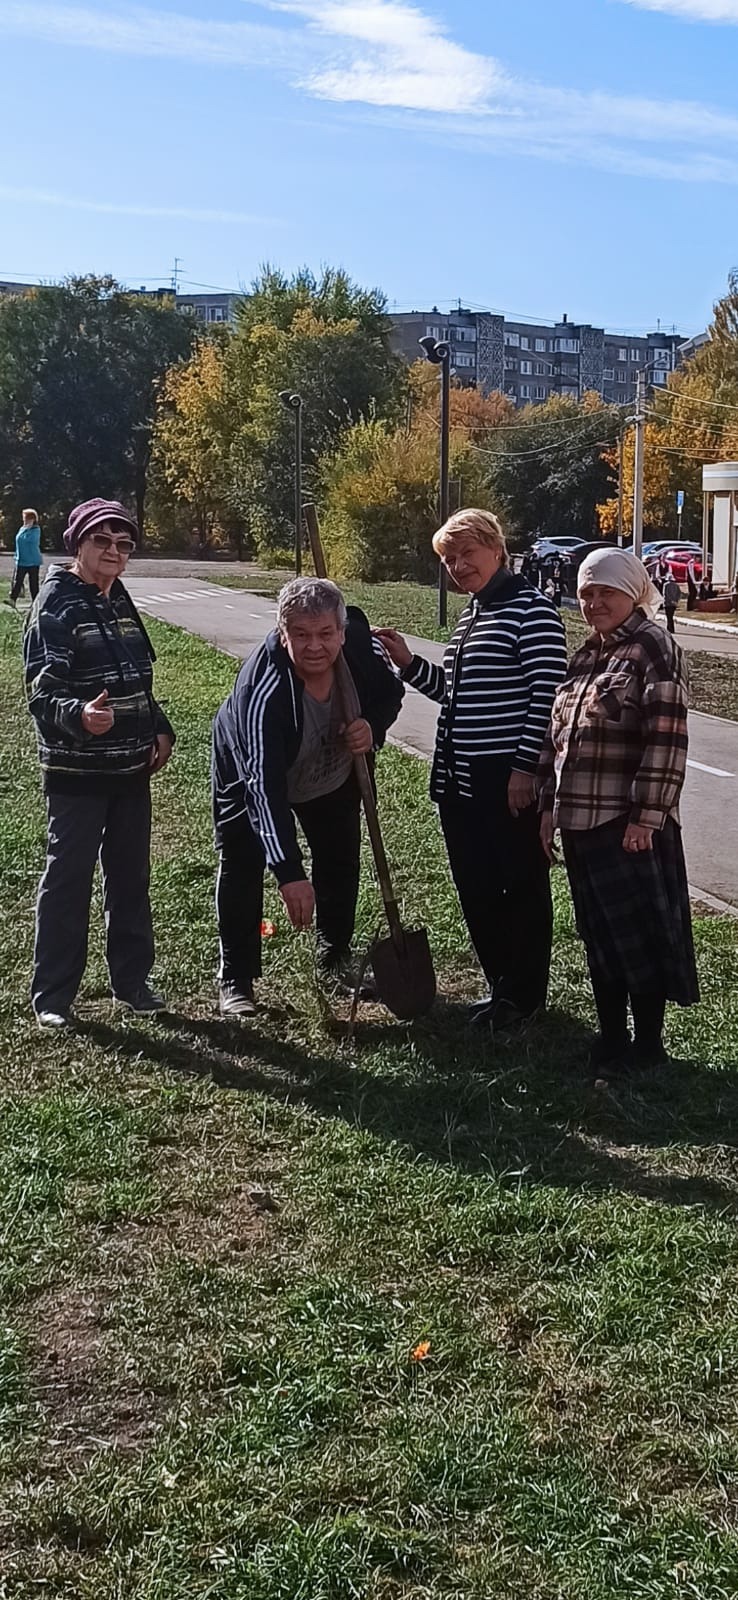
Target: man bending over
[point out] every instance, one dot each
(283, 747)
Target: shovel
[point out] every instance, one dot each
(403, 964)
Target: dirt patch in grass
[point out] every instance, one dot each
(88, 1401)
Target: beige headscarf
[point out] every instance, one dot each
(618, 569)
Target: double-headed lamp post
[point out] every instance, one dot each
(439, 353)
(294, 403)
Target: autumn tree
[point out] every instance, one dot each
(379, 489)
(549, 470)
(192, 439)
(79, 365)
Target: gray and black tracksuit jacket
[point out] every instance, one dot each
(258, 730)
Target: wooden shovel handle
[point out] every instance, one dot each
(313, 527)
(366, 790)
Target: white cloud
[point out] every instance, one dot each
(45, 197)
(692, 10)
(391, 55)
(140, 32)
(408, 60)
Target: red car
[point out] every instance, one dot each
(678, 561)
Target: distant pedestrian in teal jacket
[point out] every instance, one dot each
(28, 556)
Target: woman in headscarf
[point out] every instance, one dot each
(611, 774)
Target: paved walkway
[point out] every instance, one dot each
(235, 621)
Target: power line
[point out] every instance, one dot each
(572, 424)
(544, 449)
(676, 394)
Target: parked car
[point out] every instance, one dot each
(576, 557)
(556, 545)
(679, 559)
(653, 547)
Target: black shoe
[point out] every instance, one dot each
(609, 1060)
(479, 1013)
(237, 1000)
(609, 1053)
(143, 1001)
(644, 1057)
(507, 1021)
(339, 973)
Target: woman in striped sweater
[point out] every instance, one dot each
(496, 687)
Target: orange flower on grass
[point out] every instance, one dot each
(268, 930)
(421, 1351)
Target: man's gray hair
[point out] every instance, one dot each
(309, 597)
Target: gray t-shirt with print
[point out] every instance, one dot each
(323, 762)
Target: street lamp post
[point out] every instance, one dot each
(639, 421)
(438, 352)
(294, 403)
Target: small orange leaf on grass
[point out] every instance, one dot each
(268, 930)
(421, 1351)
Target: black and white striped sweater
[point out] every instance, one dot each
(496, 687)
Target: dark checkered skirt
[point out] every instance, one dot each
(632, 908)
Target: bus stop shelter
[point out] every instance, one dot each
(720, 523)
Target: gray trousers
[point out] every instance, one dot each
(117, 829)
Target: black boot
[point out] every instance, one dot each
(648, 1015)
(609, 1050)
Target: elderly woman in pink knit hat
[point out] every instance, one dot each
(101, 736)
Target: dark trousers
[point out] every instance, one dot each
(503, 882)
(19, 576)
(670, 614)
(117, 829)
(332, 827)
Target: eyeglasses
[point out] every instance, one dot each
(123, 547)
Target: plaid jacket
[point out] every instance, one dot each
(617, 742)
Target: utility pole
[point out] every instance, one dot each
(640, 433)
(175, 273)
(621, 486)
(294, 403)
(438, 352)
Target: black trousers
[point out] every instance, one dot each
(332, 827)
(82, 827)
(670, 614)
(503, 882)
(19, 575)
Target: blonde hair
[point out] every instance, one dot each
(483, 526)
(29, 512)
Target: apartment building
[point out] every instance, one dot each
(528, 361)
(208, 308)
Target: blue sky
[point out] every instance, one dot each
(533, 156)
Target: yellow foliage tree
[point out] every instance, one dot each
(658, 502)
(192, 436)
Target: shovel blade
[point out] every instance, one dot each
(405, 979)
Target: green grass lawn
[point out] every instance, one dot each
(221, 1246)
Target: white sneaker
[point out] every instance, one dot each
(52, 1019)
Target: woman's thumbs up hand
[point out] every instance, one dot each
(97, 716)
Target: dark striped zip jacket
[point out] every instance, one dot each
(496, 687)
(77, 643)
(258, 729)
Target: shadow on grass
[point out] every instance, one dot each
(451, 1096)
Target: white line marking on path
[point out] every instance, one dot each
(715, 772)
